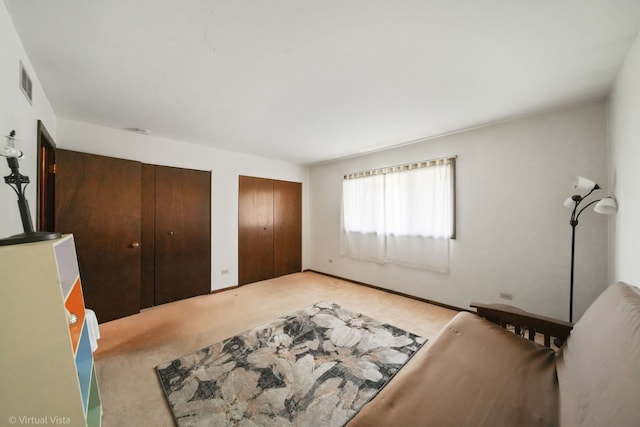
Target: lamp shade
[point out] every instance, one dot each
(584, 184)
(606, 206)
(569, 203)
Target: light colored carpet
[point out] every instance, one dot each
(131, 347)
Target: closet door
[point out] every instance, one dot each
(255, 229)
(287, 217)
(182, 233)
(148, 229)
(97, 199)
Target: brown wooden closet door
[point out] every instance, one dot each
(255, 229)
(148, 232)
(98, 200)
(287, 218)
(183, 233)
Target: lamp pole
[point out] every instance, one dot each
(573, 251)
(574, 223)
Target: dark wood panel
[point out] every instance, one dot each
(183, 233)
(255, 229)
(287, 217)
(148, 253)
(98, 200)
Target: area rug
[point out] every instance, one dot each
(316, 367)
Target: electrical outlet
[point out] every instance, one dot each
(504, 295)
(225, 271)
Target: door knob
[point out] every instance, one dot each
(135, 245)
(170, 233)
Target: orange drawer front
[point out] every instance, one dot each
(75, 305)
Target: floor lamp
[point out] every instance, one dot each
(18, 183)
(606, 205)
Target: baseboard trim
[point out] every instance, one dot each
(402, 294)
(228, 288)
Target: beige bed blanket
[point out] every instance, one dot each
(473, 373)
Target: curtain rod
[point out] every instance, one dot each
(398, 168)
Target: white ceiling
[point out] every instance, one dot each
(307, 81)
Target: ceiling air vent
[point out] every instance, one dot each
(25, 83)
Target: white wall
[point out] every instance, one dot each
(513, 233)
(16, 113)
(625, 171)
(225, 166)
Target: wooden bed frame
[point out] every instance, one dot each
(523, 322)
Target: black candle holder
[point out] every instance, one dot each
(18, 183)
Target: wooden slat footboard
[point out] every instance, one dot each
(507, 315)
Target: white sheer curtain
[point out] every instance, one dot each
(363, 218)
(419, 216)
(402, 215)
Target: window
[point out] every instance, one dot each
(402, 214)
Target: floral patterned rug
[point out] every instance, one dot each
(315, 367)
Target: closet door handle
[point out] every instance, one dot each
(135, 245)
